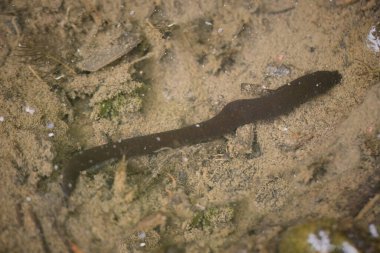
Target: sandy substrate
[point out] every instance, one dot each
(68, 82)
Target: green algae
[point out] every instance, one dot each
(212, 216)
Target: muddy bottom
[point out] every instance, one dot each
(78, 74)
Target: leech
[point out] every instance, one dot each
(233, 115)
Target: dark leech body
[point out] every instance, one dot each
(233, 115)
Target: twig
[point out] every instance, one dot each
(40, 229)
(367, 207)
(35, 73)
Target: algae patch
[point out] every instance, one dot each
(111, 108)
(325, 236)
(212, 216)
(110, 102)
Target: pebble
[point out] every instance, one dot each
(277, 71)
(373, 231)
(320, 242)
(2, 119)
(50, 125)
(373, 39)
(141, 235)
(30, 110)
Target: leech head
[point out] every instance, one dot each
(324, 80)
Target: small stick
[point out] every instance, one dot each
(35, 73)
(367, 207)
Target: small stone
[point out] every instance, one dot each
(220, 30)
(373, 231)
(320, 242)
(59, 77)
(141, 235)
(51, 134)
(277, 70)
(30, 110)
(348, 248)
(373, 38)
(28, 199)
(2, 119)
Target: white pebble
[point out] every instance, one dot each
(28, 199)
(141, 235)
(50, 125)
(30, 110)
(55, 167)
(348, 248)
(320, 243)
(59, 77)
(50, 134)
(220, 30)
(373, 231)
(158, 138)
(373, 41)
(208, 23)
(132, 13)
(142, 244)
(197, 125)
(1, 118)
